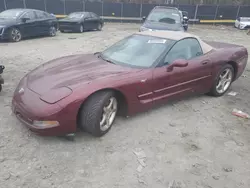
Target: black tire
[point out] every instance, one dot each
(214, 91)
(81, 28)
(62, 31)
(52, 31)
(91, 113)
(15, 35)
(1, 87)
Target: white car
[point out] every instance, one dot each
(242, 23)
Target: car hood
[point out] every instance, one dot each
(72, 72)
(69, 20)
(162, 26)
(7, 22)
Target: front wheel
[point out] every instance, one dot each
(15, 35)
(98, 113)
(223, 81)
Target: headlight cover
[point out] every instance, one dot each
(45, 124)
(55, 95)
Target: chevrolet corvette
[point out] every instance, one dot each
(144, 69)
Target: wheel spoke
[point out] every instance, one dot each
(110, 104)
(219, 85)
(109, 113)
(226, 74)
(104, 119)
(107, 121)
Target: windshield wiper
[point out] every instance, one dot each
(107, 60)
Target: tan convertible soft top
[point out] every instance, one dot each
(177, 35)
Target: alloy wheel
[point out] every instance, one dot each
(16, 35)
(108, 114)
(224, 81)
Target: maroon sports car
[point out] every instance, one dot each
(144, 69)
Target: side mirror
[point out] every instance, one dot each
(25, 19)
(177, 63)
(185, 18)
(143, 18)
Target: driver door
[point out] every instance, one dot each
(182, 81)
(30, 27)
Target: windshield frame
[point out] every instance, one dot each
(12, 10)
(154, 64)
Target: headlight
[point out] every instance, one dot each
(45, 124)
(145, 29)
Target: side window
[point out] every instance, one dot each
(87, 15)
(40, 15)
(184, 49)
(31, 15)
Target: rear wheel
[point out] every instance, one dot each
(223, 81)
(62, 31)
(98, 113)
(15, 35)
(1, 87)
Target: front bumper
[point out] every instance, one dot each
(244, 26)
(69, 27)
(28, 108)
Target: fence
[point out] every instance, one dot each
(129, 11)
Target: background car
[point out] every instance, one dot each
(185, 19)
(242, 23)
(81, 21)
(136, 73)
(163, 18)
(16, 24)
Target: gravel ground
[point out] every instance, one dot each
(193, 143)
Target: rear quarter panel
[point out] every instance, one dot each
(228, 53)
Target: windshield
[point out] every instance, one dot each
(245, 19)
(137, 51)
(12, 14)
(167, 16)
(75, 15)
